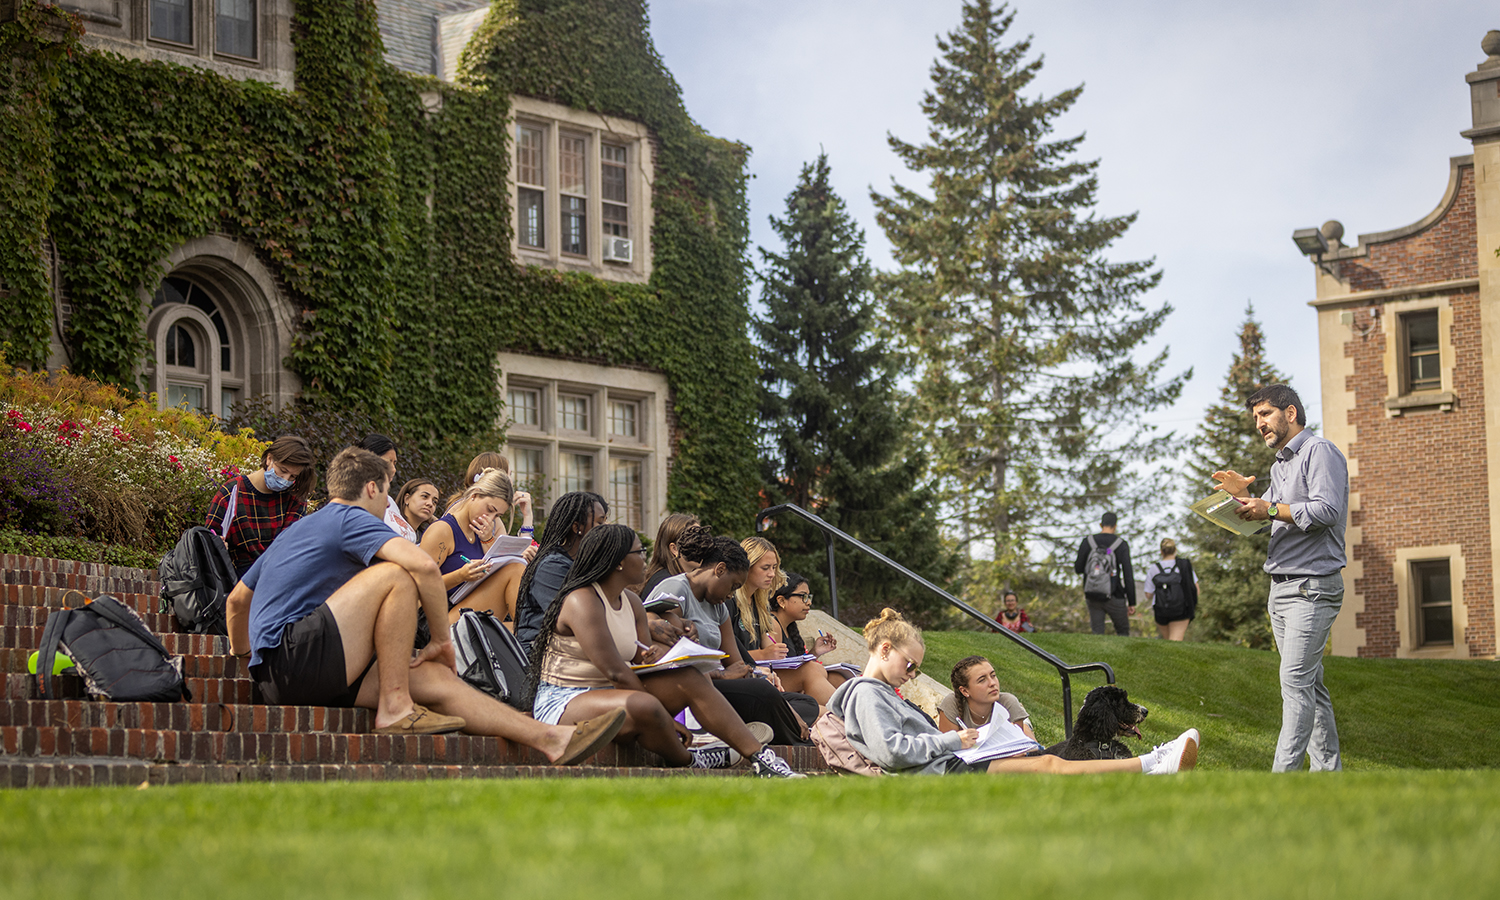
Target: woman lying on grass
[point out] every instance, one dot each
(975, 698)
(580, 664)
(898, 737)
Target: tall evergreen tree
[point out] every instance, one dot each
(834, 429)
(1233, 584)
(1027, 389)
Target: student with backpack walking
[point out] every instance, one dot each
(1108, 582)
(1172, 590)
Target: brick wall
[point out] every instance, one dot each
(1441, 252)
(1423, 475)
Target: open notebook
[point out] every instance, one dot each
(683, 653)
(505, 550)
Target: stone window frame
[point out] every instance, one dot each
(601, 384)
(554, 121)
(1408, 614)
(124, 27)
(1399, 398)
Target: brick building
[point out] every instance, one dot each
(1409, 337)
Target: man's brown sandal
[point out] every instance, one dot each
(590, 737)
(424, 721)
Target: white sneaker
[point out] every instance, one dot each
(761, 731)
(1175, 756)
(714, 757)
(767, 764)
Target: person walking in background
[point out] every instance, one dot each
(1171, 588)
(1013, 616)
(1108, 582)
(1308, 507)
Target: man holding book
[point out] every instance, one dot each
(1307, 506)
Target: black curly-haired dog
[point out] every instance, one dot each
(1107, 716)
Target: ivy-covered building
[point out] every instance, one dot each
(455, 212)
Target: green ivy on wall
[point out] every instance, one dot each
(389, 225)
(33, 47)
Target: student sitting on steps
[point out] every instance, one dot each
(455, 543)
(327, 617)
(898, 737)
(594, 630)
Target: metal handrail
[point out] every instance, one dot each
(1064, 671)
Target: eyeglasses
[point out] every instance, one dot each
(804, 596)
(642, 551)
(912, 669)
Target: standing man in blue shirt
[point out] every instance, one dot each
(1308, 507)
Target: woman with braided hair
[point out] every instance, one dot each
(714, 567)
(572, 516)
(591, 634)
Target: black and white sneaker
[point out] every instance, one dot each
(720, 757)
(767, 764)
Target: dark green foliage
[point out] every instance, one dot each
(833, 427)
(33, 48)
(56, 547)
(1021, 330)
(389, 225)
(1233, 586)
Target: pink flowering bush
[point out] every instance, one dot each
(79, 459)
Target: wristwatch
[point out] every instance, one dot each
(1271, 511)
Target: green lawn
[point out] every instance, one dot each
(1389, 826)
(1392, 714)
(1204, 834)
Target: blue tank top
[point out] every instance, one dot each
(462, 546)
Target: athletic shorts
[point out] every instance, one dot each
(307, 669)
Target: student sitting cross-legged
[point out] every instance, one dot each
(895, 735)
(580, 663)
(328, 614)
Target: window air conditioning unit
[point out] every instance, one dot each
(617, 249)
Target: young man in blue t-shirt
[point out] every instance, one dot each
(328, 615)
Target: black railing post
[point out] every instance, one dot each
(1067, 706)
(833, 581)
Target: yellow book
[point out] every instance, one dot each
(1223, 510)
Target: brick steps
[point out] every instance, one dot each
(224, 735)
(87, 772)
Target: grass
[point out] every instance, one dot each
(1392, 714)
(1401, 822)
(1221, 835)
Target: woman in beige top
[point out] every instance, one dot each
(977, 697)
(590, 636)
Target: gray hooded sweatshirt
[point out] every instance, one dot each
(889, 731)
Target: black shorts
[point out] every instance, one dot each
(308, 668)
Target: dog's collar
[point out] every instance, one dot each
(1101, 747)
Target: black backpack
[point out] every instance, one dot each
(118, 656)
(196, 578)
(491, 658)
(1171, 598)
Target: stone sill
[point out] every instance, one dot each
(1443, 400)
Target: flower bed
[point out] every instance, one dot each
(79, 459)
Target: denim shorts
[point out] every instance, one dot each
(551, 700)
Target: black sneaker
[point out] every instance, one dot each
(720, 757)
(767, 764)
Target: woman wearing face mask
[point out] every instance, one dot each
(250, 510)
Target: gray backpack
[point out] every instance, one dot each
(1099, 570)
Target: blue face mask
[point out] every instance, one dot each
(276, 482)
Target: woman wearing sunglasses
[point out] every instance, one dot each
(895, 735)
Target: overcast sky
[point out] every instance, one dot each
(1224, 126)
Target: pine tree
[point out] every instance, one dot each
(1027, 390)
(833, 425)
(1232, 585)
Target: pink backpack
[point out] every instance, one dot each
(833, 742)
